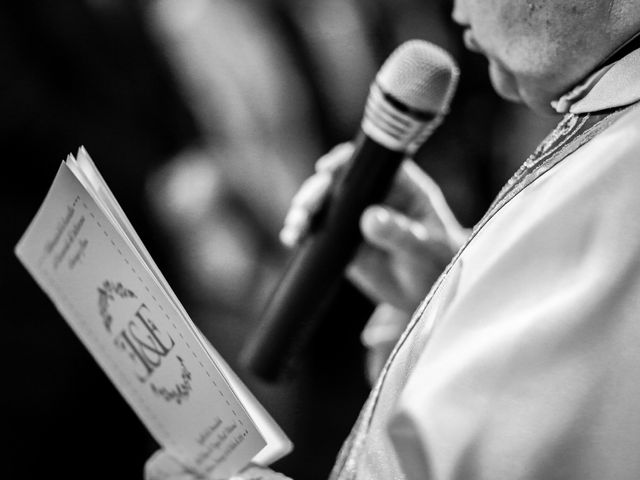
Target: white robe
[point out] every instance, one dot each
(525, 364)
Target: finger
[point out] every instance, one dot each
(259, 473)
(304, 204)
(370, 273)
(335, 158)
(416, 194)
(394, 232)
(385, 325)
(312, 192)
(380, 334)
(163, 466)
(374, 272)
(295, 226)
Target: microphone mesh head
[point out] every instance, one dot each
(421, 75)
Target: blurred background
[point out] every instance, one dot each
(204, 116)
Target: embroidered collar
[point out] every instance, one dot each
(612, 86)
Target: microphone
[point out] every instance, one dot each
(407, 101)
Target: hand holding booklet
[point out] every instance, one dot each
(86, 256)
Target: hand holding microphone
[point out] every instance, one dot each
(407, 101)
(407, 239)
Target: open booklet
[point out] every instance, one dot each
(86, 256)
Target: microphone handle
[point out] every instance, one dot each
(320, 261)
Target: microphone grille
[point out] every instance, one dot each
(421, 75)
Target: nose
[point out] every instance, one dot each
(459, 14)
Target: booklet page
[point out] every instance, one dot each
(84, 259)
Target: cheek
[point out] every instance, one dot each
(544, 28)
(520, 34)
(537, 48)
(501, 24)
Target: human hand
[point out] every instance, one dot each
(408, 240)
(163, 466)
(380, 335)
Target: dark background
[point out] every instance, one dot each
(98, 73)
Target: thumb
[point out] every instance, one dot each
(163, 466)
(255, 472)
(392, 231)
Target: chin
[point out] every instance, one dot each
(504, 83)
(507, 86)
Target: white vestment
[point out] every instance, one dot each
(524, 362)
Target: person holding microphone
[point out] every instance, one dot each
(520, 360)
